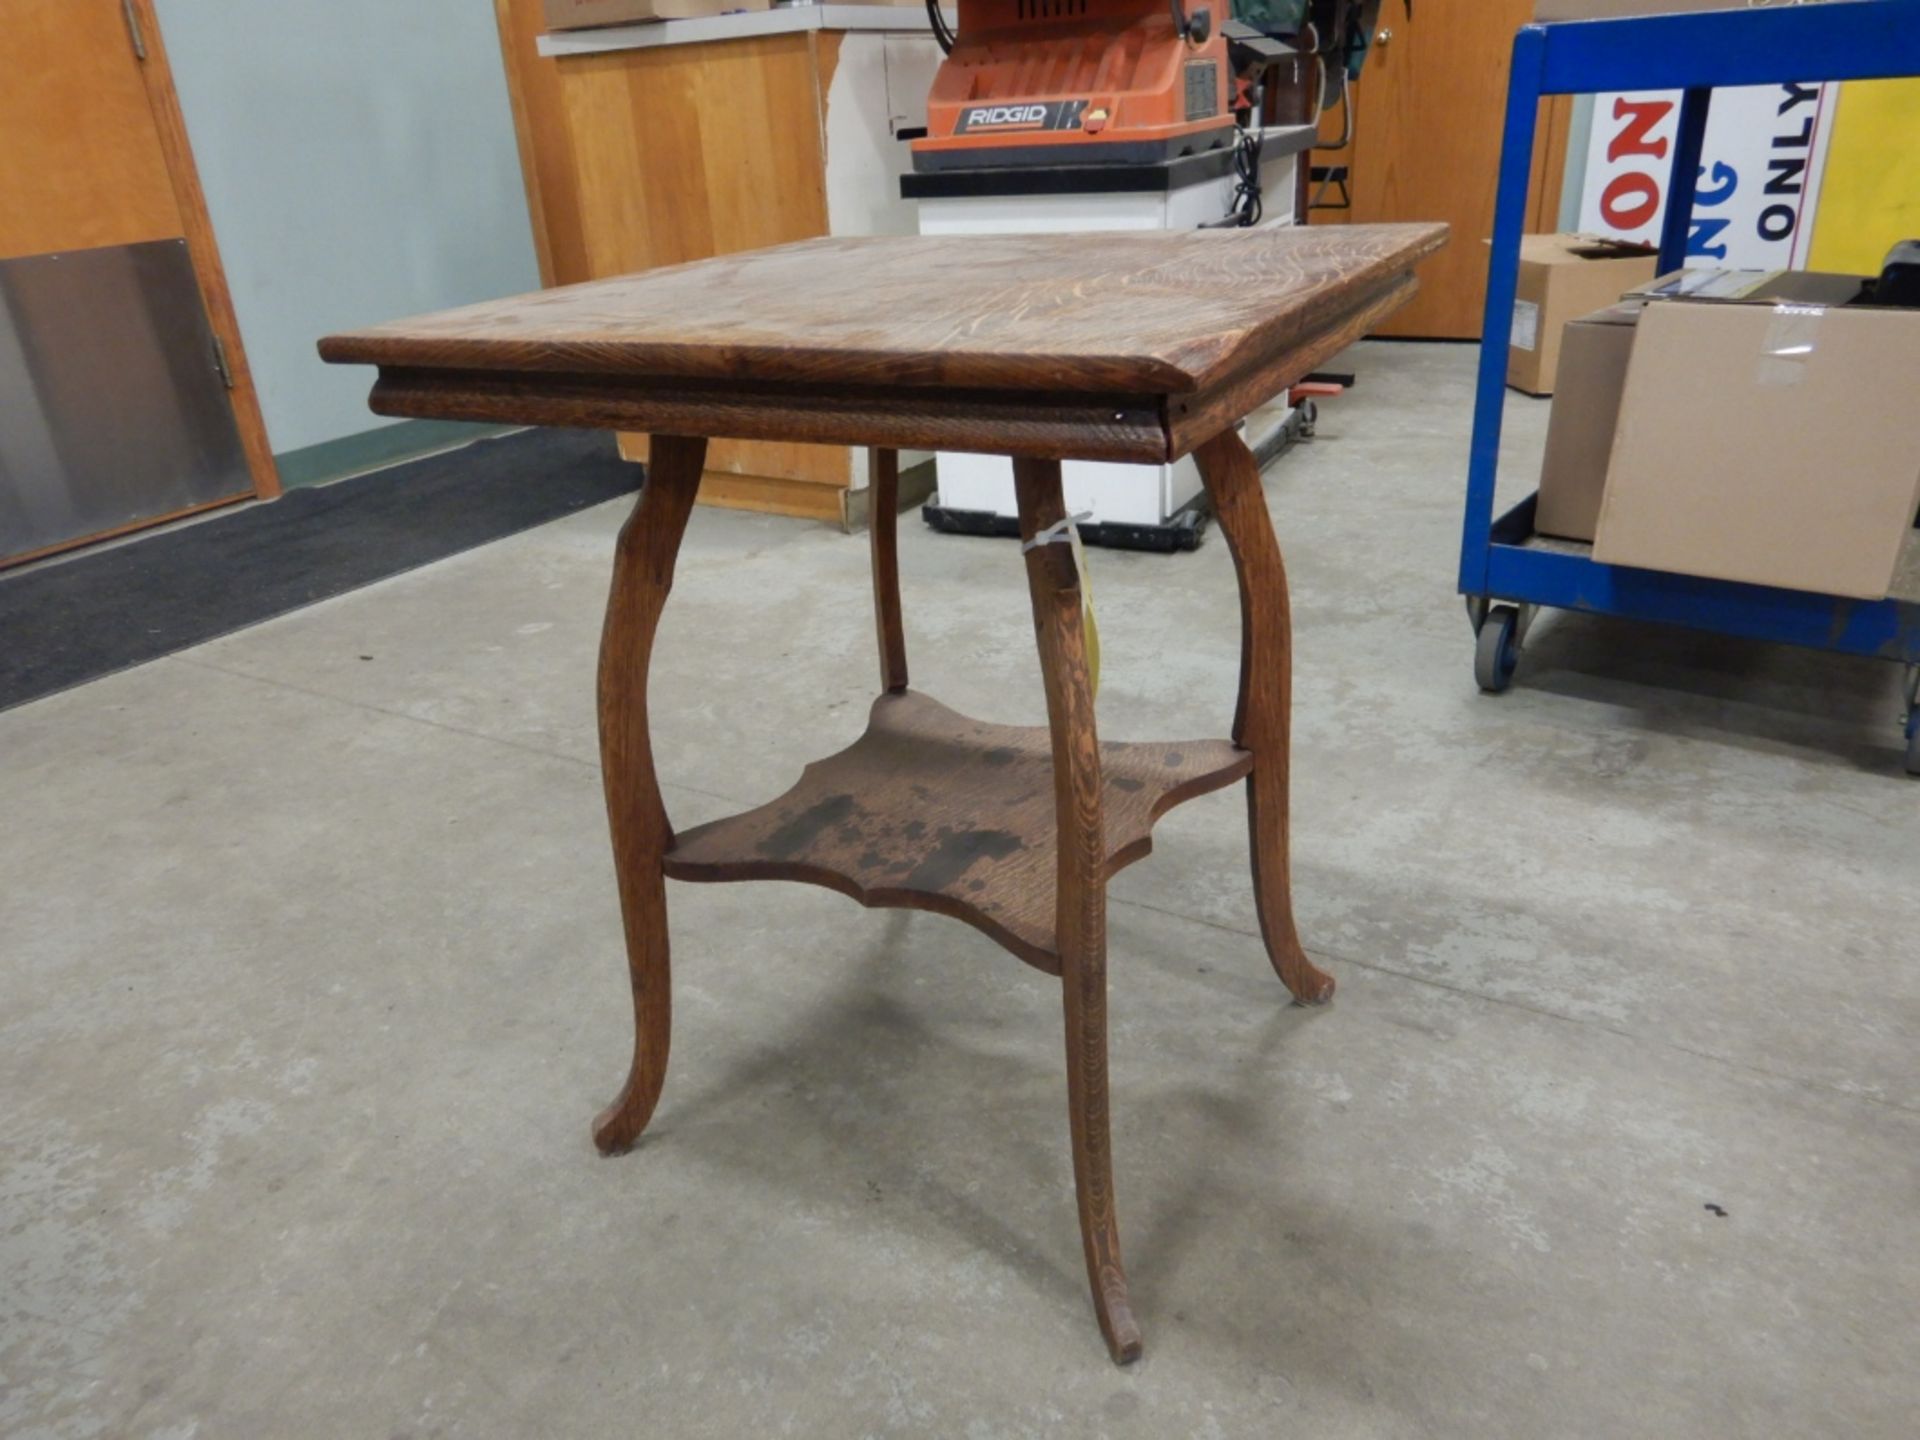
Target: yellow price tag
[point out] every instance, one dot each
(1089, 625)
(1068, 530)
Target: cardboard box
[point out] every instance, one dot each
(582, 14)
(1563, 277)
(1614, 9)
(1768, 437)
(1594, 351)
(1794, 287)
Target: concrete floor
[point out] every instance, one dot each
(312, 980)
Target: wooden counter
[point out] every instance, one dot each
(647, 145)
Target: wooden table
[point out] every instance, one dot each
(1108, 347)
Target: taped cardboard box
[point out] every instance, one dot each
(1563, 277)
(1755, 287)
(1615, 9)
(1768, 436)
(585, 14)
(1594, 351)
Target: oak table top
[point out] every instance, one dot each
(1125, 346)
(1134, 347)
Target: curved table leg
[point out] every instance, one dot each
(1266, 699)
(642, 575)
(883, 515)
(1081, 916)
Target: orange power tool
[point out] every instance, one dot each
(1052, 82)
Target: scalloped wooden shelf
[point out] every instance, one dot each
(929, 810)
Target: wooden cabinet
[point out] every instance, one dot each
(94, 157)
(1427, 115)
(652, 152)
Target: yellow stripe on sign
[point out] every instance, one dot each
(1870, 197)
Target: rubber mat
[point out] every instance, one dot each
(74, 620)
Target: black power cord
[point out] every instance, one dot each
(943, 37)
(1245, 207)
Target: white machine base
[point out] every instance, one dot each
(1142, 495)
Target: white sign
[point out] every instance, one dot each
(1760, 169)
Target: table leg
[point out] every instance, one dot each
(1266, 699)
(642, 575)
(883, 514)
(1081, 916)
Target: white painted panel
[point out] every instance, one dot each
(359, 163)
(911, 63)
(864, 160)
(1124, 494)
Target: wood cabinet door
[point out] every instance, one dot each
(657, 155)
(95, 168)
(1427, 115)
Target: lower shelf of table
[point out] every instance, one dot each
(929, 810)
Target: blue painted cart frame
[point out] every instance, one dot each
(1693, 53)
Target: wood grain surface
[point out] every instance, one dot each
(1001, 422)
(1263, 715)
(679, 152)
(671, 153)
(94, 152)
(883, 532)
(1125, 346)
(929, 810)
(1080, 797)
(1427, 120)
(547, 165)
(81, 162)
(642, 576)
(1192, 419)
(1164, 312)
(767, 494)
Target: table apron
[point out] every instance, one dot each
(1196, 418)
(1043, 425)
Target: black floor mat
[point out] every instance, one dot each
(67, 623)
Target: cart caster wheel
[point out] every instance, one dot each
(1497, 651)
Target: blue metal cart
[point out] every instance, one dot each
(1506, 571)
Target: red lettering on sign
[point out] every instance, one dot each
(1641, 116)
(1630, 200)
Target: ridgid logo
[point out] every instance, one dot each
(1048, 115)
(1002, 117)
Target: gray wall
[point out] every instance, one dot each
(359, 163)
(1579, 136)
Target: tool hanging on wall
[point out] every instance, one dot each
(1336, 37)
(1337, 33)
